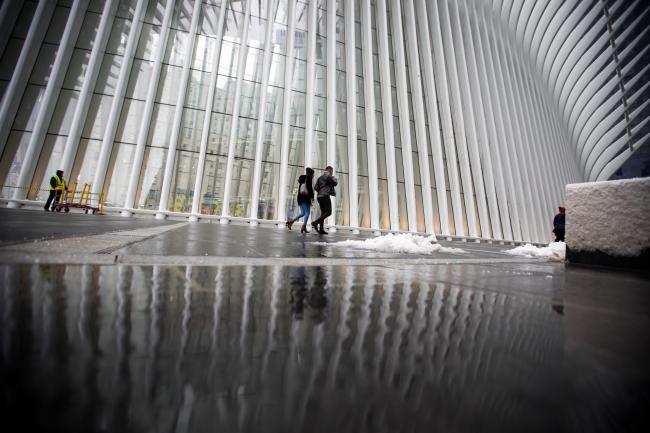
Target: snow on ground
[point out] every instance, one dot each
(610, 216)
(399, 243)
(555, 251)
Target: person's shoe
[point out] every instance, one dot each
(289, 223)
(303, 229)
(322, 232)
(46, 209)
(315, 226)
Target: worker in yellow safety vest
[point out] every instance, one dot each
(57, 186)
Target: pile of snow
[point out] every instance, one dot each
(399, 243)
(610, 216)
(555, 251)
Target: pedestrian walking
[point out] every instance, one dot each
(325, 188)
(57, 186)
(304, 197)
(558, 225)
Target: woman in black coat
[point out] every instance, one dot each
(304, 197)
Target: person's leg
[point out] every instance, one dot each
(317, 221)
(326, 210)
(560, 235)
(306, 211)
(49, 199)
(57, 197)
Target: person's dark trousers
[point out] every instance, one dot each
(53, 198)
(50, 198)
(325, 210)
(559, 235)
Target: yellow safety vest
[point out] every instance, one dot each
(60, 183)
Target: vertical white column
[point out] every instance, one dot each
(446, 120)
(403, 107)
(241, 64)
(118, 98)
(261, 112)
(484, 107)
(9, 12)
(473, 141)
(459, 123)
(51, 95)
(418, 114)
(16, 87)
(152, 88)
(371, 126)
(311, 71)
(90, 79)
(207, 120)
(432, 112)
(351, 109)
(387, 105)
(286, 110)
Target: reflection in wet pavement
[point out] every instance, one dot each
(299, 349)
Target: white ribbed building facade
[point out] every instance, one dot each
(455, 117)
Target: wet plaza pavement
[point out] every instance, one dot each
(194, 327)
(459, 348)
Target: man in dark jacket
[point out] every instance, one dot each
(325, 188)
(57, 186)
(558, 225)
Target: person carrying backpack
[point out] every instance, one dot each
(304, 197)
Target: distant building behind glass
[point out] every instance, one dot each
(455, 117)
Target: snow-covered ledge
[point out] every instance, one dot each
(608, 223)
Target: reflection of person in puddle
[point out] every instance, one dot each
(315, 297)
(298, 294)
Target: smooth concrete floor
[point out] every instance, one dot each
(455, 348)
(372, 343)
(22, 225)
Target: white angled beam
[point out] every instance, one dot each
(261, 112)
(234, 126)
(418, 114)
(446, 118)
(311, 71)
(207, 119)
(26, 60)
(331, 114)
(459, 122)
(387, 106)
(371, 126)
(351, 89)
(152, 89)
(286, 111)
(51, 95)
(118, 97)
(403, 107)
(90, 79)
(432, 113)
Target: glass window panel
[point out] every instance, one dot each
(320, 113)
(301, 15)
(176, 48)
(118, 178)
(168, 87)
(276, 72)
(85, 162)
(399, 164)
(130, 121)
(250, 99)
(342, 154)
(342, 201)
(381, 162)
(271, 142)
(63, 112)
(267, 205)
(362, 158)
(74, 77)
(161, 125)
(48, 163)
(401, 201)
(228, 59)
(100, 107)
(148, 42)
(244, 146)
(88, 30)
(296, 146)
(197, 91)
(279, 39)
(234, 22)
(341, 87)
(12, 160)
(29, 108)
(126, 9)
(10, 58)
(155, 12)
(299, 76)
(363, 196)
(191, 127)
(274, 106)
(209, 20)
(148, 194)
(319, 155)
(203, 53)
(182, 189)
(43, 66)
(297, 111)
(419, 209)
(139, 79)
(119, 36)
(300, 44)
(256, 32)
(341, 119)
(384, 212)
(320, 88)
(212, 185)
(219, 133)
(182, 15)
(254, 65)
(57, 25)
(242, 173)
(108, 73)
